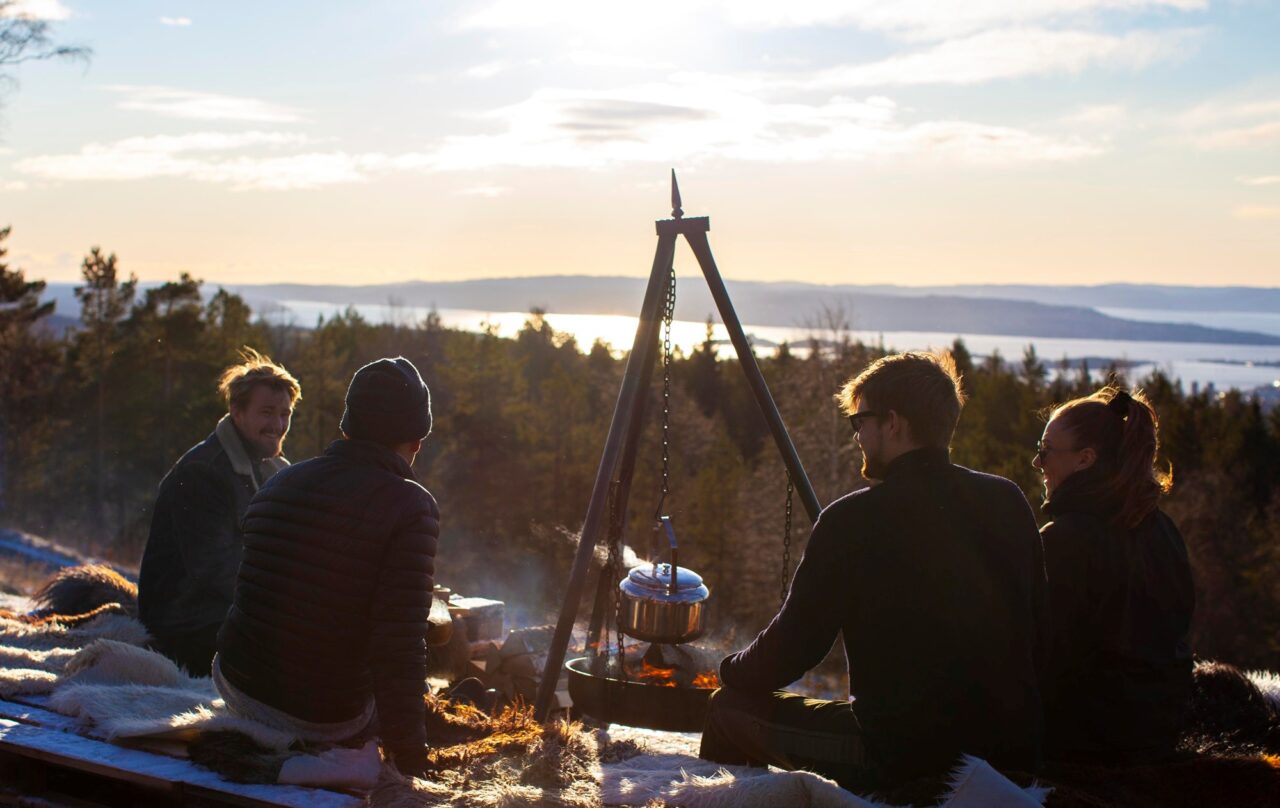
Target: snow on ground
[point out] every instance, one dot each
(36, 549)
(163, 768)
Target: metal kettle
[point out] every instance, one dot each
(663, 603)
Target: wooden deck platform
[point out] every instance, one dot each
(42, 757)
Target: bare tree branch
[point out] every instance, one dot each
(24, 38)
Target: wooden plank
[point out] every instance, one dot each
(27, 714)
(169, 776)
(39, 717)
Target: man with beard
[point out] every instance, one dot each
(188, 570)
(935, 576)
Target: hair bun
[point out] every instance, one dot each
(1119, 403)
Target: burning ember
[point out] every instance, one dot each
(666, 666)
(709, 680)
(662, 677)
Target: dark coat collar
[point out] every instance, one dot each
(916, 461)
(1086, 491)
(363, 451)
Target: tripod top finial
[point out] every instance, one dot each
(676, 211)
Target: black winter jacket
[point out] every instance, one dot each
(936, 578)
(1120, 604)
(188, 570)
(332, 599)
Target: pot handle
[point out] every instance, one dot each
(671, 538)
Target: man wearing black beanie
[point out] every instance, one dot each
(328, 626)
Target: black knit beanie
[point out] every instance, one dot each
(387, 403)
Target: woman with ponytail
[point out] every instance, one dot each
(1117, 672)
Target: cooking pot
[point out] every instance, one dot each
(663, 603)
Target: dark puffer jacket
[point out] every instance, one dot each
(332, 599)
(1118, 681)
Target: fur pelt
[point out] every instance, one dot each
(236, 757)
(1218, 781)
(122, 691)
(1268, 684)
(83, 589)
(685, 781)
(508, 759)
(33, 654)
(1229, 712)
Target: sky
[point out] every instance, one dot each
(912, 142)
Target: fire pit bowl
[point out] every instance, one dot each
(636, 704)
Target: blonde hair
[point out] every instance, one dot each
(236, 383)
(923, 388)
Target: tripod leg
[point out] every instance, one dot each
(626, 413)
(755, 379)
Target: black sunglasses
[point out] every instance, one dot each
(856, 419)
(1043, 450)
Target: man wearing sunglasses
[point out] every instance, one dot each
(935, 577)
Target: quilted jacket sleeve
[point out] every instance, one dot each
(397, 648)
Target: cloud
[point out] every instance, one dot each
(180, 22)
(13, 185)
(1008, 54)
(688, 118)
(1273, 179)
(192, 105)
(37, 10)
(485, 71)
(701, 117)
(1096, 115)
(200, 156)
(587, 58)
(908, 19)
(1218, 112)
(698, 116)
(1232, 123)
(1256, 212)
(487, 191)
(924, 19)
(1244, 137)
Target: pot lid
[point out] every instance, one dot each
(649, 579)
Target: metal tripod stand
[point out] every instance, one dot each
(617, 463)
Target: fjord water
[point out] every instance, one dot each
(1243, 367)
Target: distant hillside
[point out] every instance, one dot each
(1115, 295)
(1003, 311)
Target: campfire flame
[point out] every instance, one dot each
(709, 680)
(651, 674)
(670, 677)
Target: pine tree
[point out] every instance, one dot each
(104, 302)
(26, 358)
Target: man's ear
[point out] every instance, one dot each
(897, 424)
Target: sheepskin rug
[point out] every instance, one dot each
(95, 668)
(510, 760)
(33, 654)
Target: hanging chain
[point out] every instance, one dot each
(786, 542)
(614, 568)
(668, 315)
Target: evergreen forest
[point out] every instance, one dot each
(93, 417)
